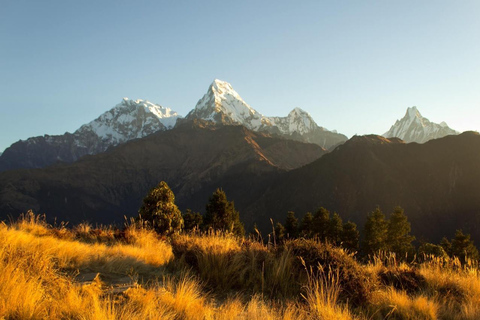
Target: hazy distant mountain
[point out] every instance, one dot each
(126, 121)
(222, 104)
(437, 183)
(415, 128)
(194, 158)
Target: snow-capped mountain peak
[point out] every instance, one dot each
(297, 120)
(222, 104)
(413, 112)
(413, 127)
(130, 119)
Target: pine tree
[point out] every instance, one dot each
(446, 245)
(375, 231)
(306, 225)
(321, 221)
(463, 247)
(279, 232)
(221, 214)
(350, 236)
(335, 229)
(291, 225)
(192, 220)
(159, 210)
(399, 239)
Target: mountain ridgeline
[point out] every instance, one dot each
(267, 165)
(437, 183)
(137, 119)
(195, 158)
(126, 121)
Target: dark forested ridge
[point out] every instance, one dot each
(437, 183)
(195, 159)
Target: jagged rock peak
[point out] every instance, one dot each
(222, 104)
(413, 127)
(130, 119)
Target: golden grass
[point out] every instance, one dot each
(322, 292)
(209, 276)
(393, 304)
(142, 256)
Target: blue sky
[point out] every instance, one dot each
(355, 66)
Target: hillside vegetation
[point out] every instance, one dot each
(83, 272)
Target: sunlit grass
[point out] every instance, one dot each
(215, 276)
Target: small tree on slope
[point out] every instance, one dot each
(160, 211)
(221, 214)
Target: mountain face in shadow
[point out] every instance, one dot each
(194, 159)
(437, 183)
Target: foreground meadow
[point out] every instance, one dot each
(104, 273)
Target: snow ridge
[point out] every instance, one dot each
(297, 120)
(222, 104)
(413, 127)
(128, 120)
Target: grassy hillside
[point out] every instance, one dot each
(104, 273)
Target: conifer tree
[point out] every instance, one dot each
(463, 247)
(446, 245)
(159, 210)
(221, 214)
(291, 225)
(279, 232)
(375, 231)
(321, 221)
(306, 225)
(192, 220)
(350, 236)
(399, 239)
(335, 228)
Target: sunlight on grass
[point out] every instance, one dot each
(216, 276)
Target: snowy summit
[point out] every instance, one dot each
(222, 104)
(413, 127)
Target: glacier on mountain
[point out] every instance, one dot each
(222, 104)
(413, 127)
(128, 120)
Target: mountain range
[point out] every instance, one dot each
(194, 158)
(267, 165)
(437, 183)
(126, 121)
(133, 119)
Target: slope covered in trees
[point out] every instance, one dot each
(437, 184)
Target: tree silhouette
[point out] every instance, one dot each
(375, 231)
(221, 214)
(192, 220)
(350, 236)
(291, 225)
(306, 225)
(399, 239)
(335, 229)
(321, 221)
(159, 210)
(463, 247)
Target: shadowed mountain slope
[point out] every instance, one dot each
(437, 183)
(194, 159)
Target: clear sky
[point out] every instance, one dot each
(355, 66)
